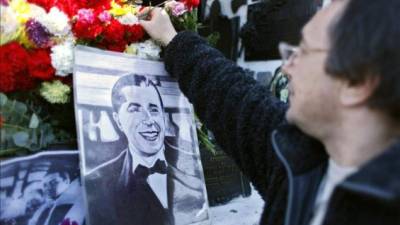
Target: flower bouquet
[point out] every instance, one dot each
(36, 60)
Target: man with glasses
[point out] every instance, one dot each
(330, 157)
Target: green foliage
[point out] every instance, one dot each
(213, 38)
(26, 126)
(187, 21)
(204, 139)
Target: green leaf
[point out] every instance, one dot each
(20, 107)
(213, 38)
(34, 137)
(34, 123)
(3, 99)
(21, 139)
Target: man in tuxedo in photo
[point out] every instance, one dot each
(141, 180)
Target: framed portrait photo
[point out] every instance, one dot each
(140, 161)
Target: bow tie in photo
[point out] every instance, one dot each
(143, 172)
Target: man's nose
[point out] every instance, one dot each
(148, 119)
(286, 68)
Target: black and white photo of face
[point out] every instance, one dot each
(54, 184)
(141, 119)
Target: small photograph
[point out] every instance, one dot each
(43, 189)
(137, 139)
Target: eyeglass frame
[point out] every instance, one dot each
(294, 52)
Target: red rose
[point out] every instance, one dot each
(134, 33)
(39, 65)
(46, 4)
(191, 3)
(84, 30)
(114, 32)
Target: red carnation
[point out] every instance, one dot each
(114, 32)
(134, 33)
(24, 82)
(191, 3)
(84, 30)
(39, 65)
(46, 4)
(7, 81)
(13, 59)
(112, 46)
(117, 47)
(97, 5)
(69, 7)
(15, 55)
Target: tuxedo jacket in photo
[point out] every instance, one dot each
(112, 199)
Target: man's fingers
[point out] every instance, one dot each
(148, 13)
(144, 13)
(144, 23)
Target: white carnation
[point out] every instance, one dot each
(128, 19)
(36, 11)
(145, 50)
(62, 57)
(8, 23)
(56, 22)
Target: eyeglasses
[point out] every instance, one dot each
(289, 52)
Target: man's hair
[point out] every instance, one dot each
(118, 98)
(366, 43)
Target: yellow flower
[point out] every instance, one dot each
(118, 10)
(23, 39)
(22, 9)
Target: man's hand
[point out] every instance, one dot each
(159, 25)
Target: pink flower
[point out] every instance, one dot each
(176, 8)
(105, 17)
(86, 16)
(4, 2)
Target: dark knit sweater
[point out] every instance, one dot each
(283, 164)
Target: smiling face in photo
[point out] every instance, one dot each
(141, 118)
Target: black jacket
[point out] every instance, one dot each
(284, 165)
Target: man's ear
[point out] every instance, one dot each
(357, 94)
(116, 119)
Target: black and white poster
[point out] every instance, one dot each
(43, 189)
(140, 161)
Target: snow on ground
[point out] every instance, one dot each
(239, 211)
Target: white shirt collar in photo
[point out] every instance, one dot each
(157, 182)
